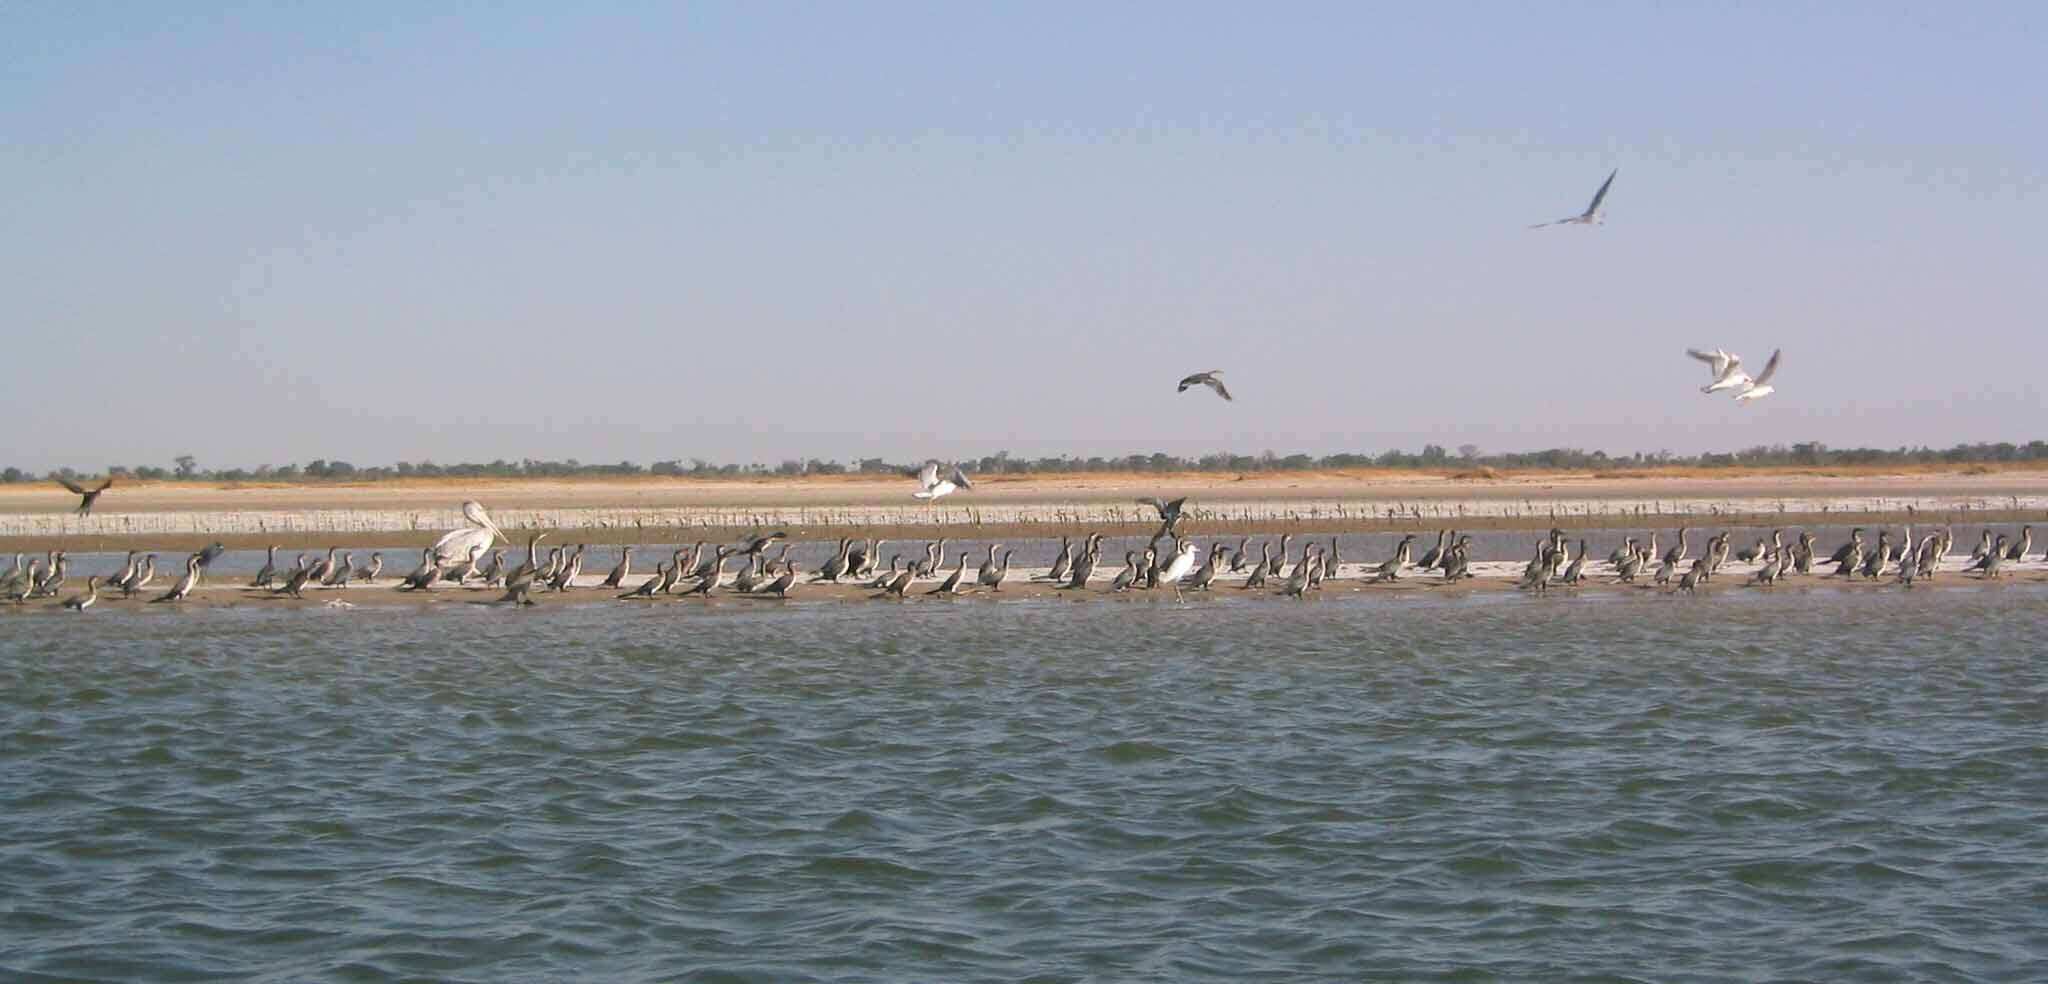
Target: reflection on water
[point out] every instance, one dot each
(1847, 787)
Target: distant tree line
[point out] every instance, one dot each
(1431, 458)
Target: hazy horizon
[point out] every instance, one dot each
(762, 233)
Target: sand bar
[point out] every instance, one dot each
(174, 514)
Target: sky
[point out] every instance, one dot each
(382, 232)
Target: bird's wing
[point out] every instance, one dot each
(1217, 385)
(1601, 195)
(1719, 360)
(1174, 506)
(1769, 368)
(1154, 502)
(109, 483)
(960, 478)
(69, 484)
(928, 476)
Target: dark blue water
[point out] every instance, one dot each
(1741, 787)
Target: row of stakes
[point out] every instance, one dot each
(378, 521)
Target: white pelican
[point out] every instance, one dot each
(931, 486)
(481, 532)
(1591, 216)
(1205, 379)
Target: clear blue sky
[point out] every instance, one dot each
(751, 232)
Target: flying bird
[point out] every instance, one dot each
(1758, 388)
(87, 496)
(931, 486)
(1169, 512)
(1591, 216)
(1726, 368)
(1205, 379)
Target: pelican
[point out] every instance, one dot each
(1591, 216)
(1758, 388)
(86, 496)
(455, 545)
(1205, 379)
(84, 601)
(184, 585)
(930, 486)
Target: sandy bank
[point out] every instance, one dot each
(174, 515)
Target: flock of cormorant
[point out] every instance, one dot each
(1168, 560)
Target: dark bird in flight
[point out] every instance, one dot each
(1169, 512)
(88, 495)
(1591, 216)
(1205, 379)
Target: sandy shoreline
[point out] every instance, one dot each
(173, 515)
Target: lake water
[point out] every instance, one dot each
(1746, 786)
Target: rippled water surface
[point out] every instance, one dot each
(1848, 787)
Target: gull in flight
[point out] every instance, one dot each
(1758, 388)
(1591, 216)
(931, 486)
(1725, 366)
(1205, 379)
